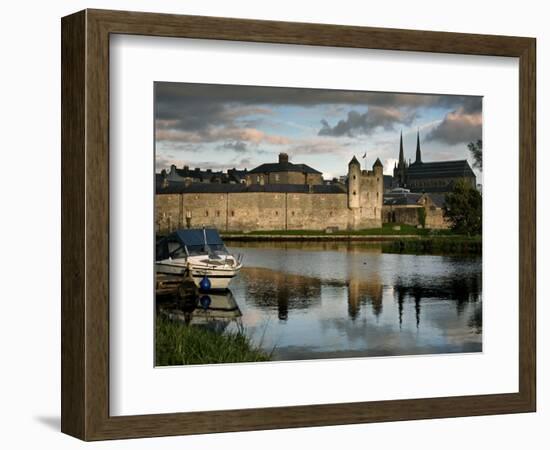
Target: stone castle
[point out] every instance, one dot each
(273, 196)
(288, 196)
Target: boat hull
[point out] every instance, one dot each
(219, 277)
(217, 282)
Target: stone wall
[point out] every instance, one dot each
(249, 211)
(435, 219)
(408, 215)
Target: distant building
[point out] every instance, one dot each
(284, 172)
(403, 207)
(437, 176)
(196, 175)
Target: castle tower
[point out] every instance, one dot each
(418, 159)
(378, 168)
(354, 183)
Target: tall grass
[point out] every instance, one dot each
(180, 344)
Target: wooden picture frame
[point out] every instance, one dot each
(85, 224)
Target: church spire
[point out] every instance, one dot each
(418, 152)
(401, 155)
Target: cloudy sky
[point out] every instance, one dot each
(223, 126)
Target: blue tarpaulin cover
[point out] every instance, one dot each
(195, 237)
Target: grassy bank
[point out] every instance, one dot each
(179, 344)
(458, 245)
(406, 239)
(386, 230)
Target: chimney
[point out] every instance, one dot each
(283, 158)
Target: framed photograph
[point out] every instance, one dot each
(273, 225)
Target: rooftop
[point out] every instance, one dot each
(412, 198)
(401, 198)
(222, 188)
(440, 169)
(283, 167)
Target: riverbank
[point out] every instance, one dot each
(436, 246)
(400, 239)
(387, 232)
(180, 344)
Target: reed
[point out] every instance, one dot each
(180, 344)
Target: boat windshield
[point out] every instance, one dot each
(216, 249)
(176, 250)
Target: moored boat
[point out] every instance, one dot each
(200, 254)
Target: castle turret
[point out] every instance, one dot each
(354, 183)
(418, 159)
(378, 167)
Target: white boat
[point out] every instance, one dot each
(199, 253)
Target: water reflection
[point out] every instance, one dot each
(322, 300)
(214, 310)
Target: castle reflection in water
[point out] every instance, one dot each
(336, 300)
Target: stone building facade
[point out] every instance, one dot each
(284, 172)
(403, 207)
(274, 206)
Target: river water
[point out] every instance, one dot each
(332, 300)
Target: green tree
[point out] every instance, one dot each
(476, 149)
(462, 208)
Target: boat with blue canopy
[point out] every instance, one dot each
(199, 253)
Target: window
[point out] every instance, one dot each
(292, 213)
(276, 213)
(205, 213)
(218, 213)
(258, 179)
(354, 193)
(276, 177)
(232, 213)
(354, 177)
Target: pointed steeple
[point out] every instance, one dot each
(401, 155)
(418, 153)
